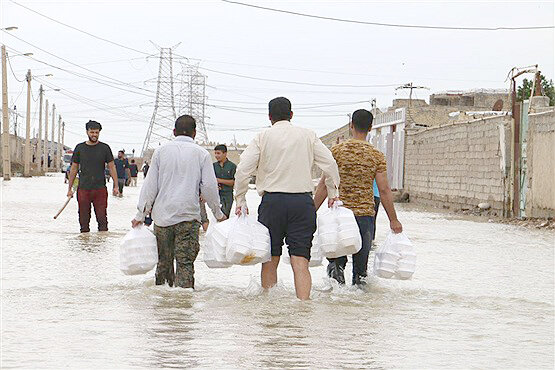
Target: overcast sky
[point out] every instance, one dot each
(262, 44)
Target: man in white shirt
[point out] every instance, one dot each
(282, 158)
(170, 193)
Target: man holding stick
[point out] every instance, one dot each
(89, 158)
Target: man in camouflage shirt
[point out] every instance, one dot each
(359, 164)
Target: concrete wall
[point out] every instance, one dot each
(482, 100)
(17, 152)
(540, 197)
(335, 137)
(458, 166)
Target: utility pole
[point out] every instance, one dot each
(411, 87)
(45, 159)
(15, 123)
(59, 146)
(51, 151)
(39, 138)
(27, 163)
(6, 160)
(63, 136)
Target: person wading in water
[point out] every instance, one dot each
(89, 159)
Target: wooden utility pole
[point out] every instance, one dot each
(39, 138)
(45, 159)
(51, 151)
(27, 157)
(59, 146)
(6, 160)
(63, 136)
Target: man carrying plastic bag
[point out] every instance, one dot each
(178, 170)
(282, 158)
(359, 163)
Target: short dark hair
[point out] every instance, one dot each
(221, 147)
(185, 125)
(93, 125)
(362, 120)
(280, 109)
(121, 151)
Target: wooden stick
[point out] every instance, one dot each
(64, 206)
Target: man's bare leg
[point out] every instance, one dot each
(269, 272)
(303, 280)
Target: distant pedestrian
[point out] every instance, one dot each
(122, 165)
(225, 174)
(282, 157)
(181, 170)
(145, 169)
(134, 171)
(359, 164)
(89, 159)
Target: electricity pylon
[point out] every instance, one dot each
(164, 115)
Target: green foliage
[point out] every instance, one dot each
(523, 92)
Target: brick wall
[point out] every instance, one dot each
(458, 165)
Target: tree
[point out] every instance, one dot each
(523, 91)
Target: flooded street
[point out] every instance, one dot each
(482, 297)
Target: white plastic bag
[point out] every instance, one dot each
(316, 256)
(215, 245)
(248, 242)
(138, 252)
(338, 232)
(396, 258)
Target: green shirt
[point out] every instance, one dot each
(225, 172)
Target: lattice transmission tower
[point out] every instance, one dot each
(192, 98)
(164, 115)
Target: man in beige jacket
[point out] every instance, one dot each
(282, 158)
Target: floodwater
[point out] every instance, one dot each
(482, 297)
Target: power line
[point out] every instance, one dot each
(215, 61)
(293, 82)
(90, 102)
(388, 24)
(244, 110)
(234, 89)
(90, 78)
(79, 30)
(74, 64)
(302, 105)
(11, 69)
(103, 62)
(14, 102)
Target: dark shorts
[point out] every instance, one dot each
(291, 217)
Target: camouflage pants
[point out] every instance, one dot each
(179, 242)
